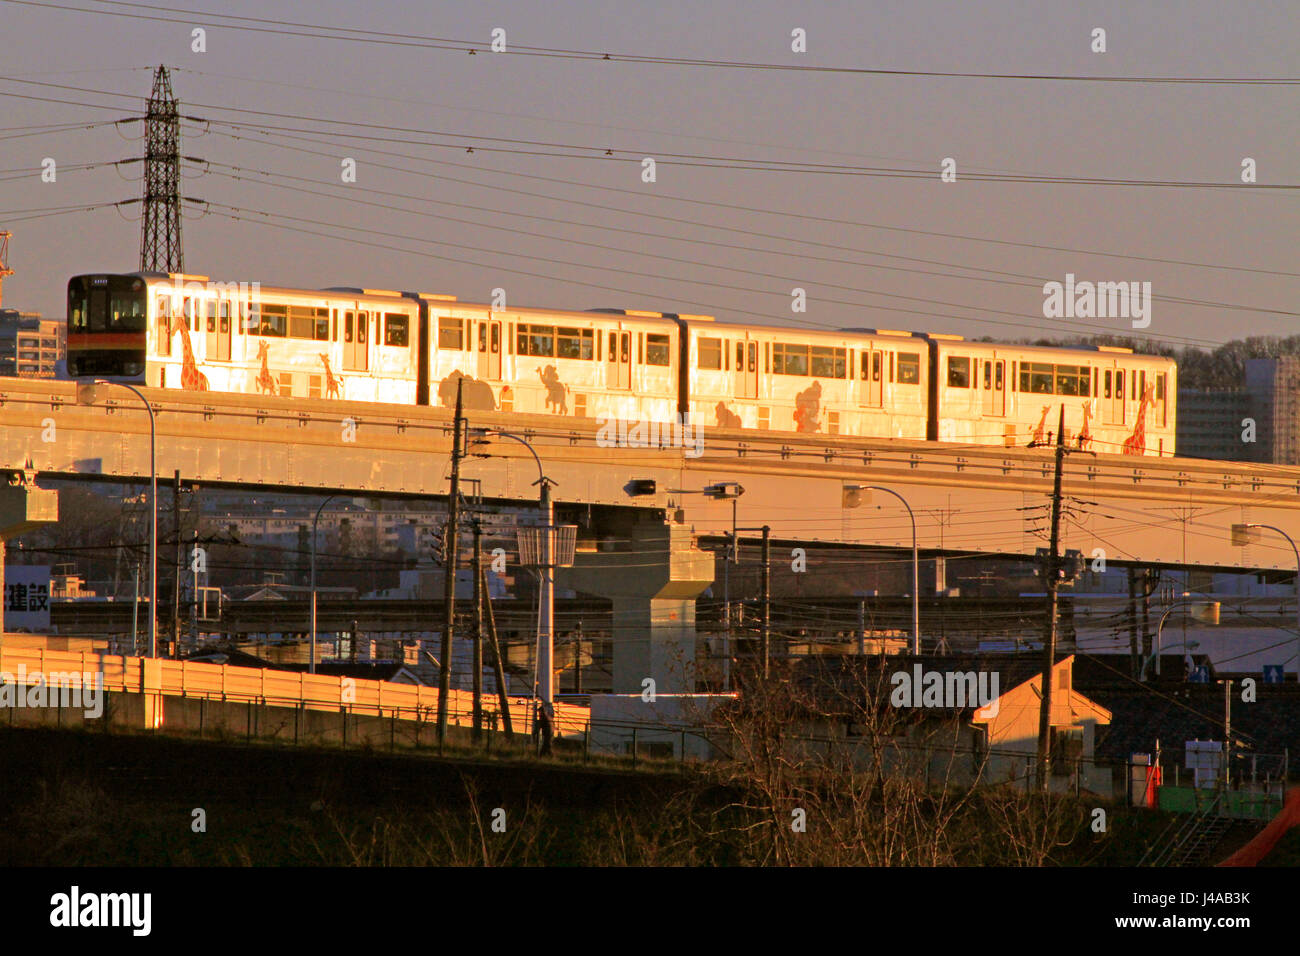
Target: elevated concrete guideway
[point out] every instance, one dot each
(966, 498)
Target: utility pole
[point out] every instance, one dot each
(577, 660)
(1051, 579)
(449, 563)
(5, 235)
(160, 234)
(1135, 650)
(498, 669)
(176, 576)
(766, 642)
(478, 630)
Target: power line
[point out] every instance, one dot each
(357, 35)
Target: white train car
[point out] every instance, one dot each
(848, 382)
(1115, 402)
(191, 333)
(598, 364)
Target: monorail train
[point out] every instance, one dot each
(374, 345)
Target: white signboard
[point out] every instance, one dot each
(27, 597)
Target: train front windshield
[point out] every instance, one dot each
(107, 322)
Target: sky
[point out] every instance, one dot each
(273, 117)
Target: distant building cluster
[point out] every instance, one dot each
(1259, 422)
(31, 346)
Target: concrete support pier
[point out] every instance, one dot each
(652, 573)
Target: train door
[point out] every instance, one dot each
(217, 324)
(489, 350)
(872, 373)
(746, 370)
(1112, 396)
(356, 350)
(619, 357)
(995, 388)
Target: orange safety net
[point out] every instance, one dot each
(1266, 839)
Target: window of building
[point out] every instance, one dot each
(451, 334)
(709, 353)
(909, 368)
(396, 329)
(958, 371)
(657, 351)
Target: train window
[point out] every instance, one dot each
(875, 366)
(535, 340)
(625, 353)
(1096, 376)
(396, 329)
(451, 335)
(909, 368)
(988, 376)
(789, 359)
(188, 309)
(1038, 378)
(164, 305)
(958, 371)
(999, 384)
(657, 349)
(831, 363)
(891, 366)
(708, 353)
(740, 356)
(1072, 380)
(574, 343)
(308, 323)
(211, 311)
(273, 321)
(1160, 387)
(496, 337)
(1141, 390)
(613, 346)
(1119, 385)
(363, 325)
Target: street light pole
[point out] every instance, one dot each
(1240, 538)
(87, 392)
(916, 580)
(545, 647)
(311, 667)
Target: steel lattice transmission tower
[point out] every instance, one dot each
(160, 239)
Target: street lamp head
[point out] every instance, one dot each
(723, 490)
(89, 391)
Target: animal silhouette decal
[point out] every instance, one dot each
(475, 394)
(332, 382)
(726, 417)
(1040, 430)
(1085, 435)
(1136, 443)
(265, 381)
(807, 407)
(191, 378)
(555, 390)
